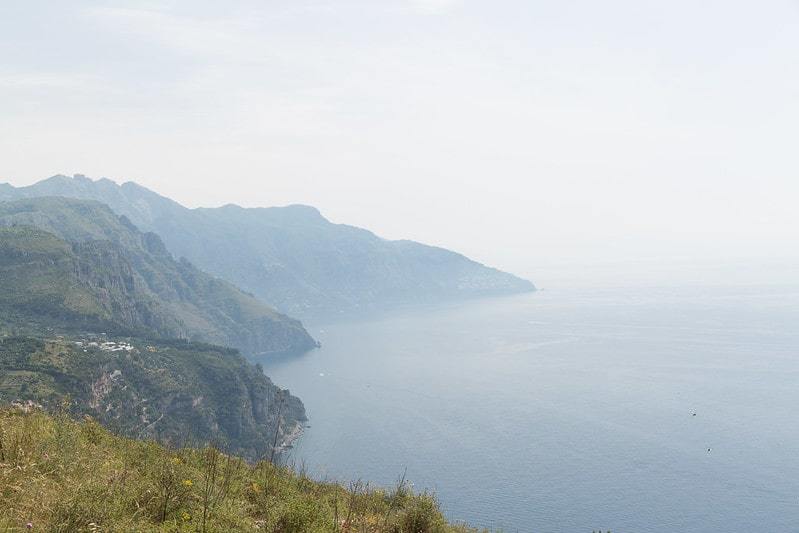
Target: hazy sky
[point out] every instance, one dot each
(524, 133)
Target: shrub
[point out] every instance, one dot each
(420, 516)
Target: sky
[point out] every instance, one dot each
(534, 136)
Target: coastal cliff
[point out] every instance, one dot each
(176, 392)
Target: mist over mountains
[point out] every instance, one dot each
(292, 257)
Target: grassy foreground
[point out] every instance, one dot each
(57, 474)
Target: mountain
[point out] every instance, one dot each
(73, 265)
(174, 391)
(292, 257)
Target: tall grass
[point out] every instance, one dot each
(61, 475)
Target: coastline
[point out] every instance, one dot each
(289, 438)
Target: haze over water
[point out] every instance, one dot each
(569, 410)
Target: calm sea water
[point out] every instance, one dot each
(568, 411)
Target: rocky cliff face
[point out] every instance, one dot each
(175, 392)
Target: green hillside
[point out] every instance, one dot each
(173, 391)
(74, 265)
(64, 476)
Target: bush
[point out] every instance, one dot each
(420, 516)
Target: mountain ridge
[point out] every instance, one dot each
(121, 276)
(90, 308)
(292, 257)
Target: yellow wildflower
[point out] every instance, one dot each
(186, 516)
(188, 483)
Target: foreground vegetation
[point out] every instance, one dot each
(57, 474)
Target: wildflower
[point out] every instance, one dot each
(29, 525)
(188, 483)
(185, 516)
(176, 460)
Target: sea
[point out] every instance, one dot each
(634, 410)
